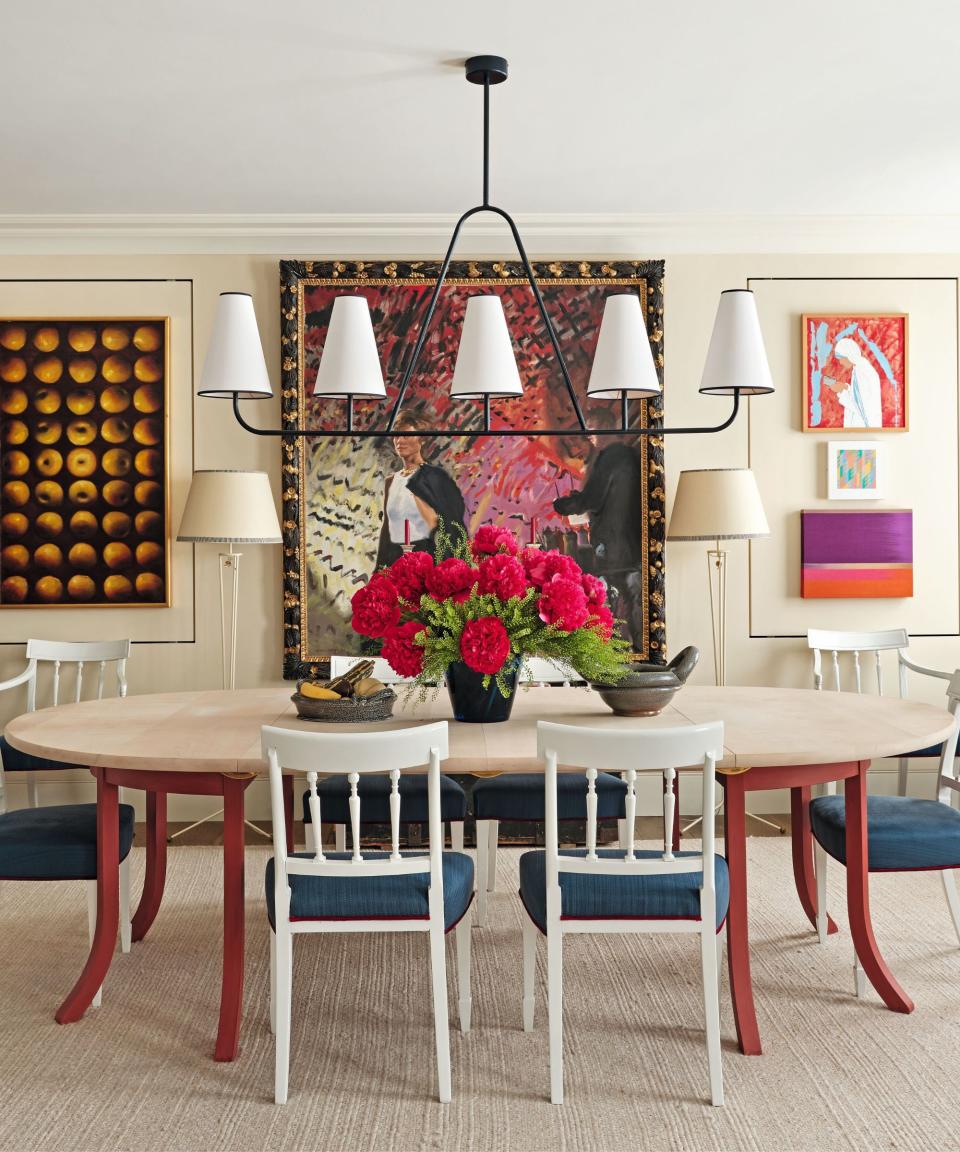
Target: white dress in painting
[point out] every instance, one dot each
(861, 398)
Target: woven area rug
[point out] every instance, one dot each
(137, 1074)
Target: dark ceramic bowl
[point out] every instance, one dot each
(349, 710)
(640, 693)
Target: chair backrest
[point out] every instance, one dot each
(821, 640)
(289, 750)
(78, 654)
(949, 772)
(629, 751)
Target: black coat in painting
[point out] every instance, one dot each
(437, 490)
(611, 498)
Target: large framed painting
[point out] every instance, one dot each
(600, 500)
(855, 372)
(83, 425)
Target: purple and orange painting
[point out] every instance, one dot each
(856, 555)
(600, 501)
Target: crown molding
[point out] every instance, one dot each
(589, 235)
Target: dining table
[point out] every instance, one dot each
(209, 743)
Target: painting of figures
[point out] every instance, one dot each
(855, 372)
(598, 499)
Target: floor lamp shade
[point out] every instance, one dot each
(486, 365)
(350, 363)
(717, 504)
(230, 507)
(736, 358)
(623, 361)
(234, 365)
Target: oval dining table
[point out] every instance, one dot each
(209, 743)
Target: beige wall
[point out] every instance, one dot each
(788, 465)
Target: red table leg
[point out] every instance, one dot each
(108, 903)
(288, 810)
(858, 895)
(231, 991)
(802, 838)
(156, 873)
(738, 938)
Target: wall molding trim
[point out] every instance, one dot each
(587, 235)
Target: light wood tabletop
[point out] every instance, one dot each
(219, 731)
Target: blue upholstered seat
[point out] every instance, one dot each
(933, 750)
(520, 796)
(403, 897)
(16, 761)
(58, 842)
(673, 896)
(374, 793)
(903, 833)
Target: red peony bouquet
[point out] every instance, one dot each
(488, 603)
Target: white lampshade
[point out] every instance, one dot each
(486, 365)
(235, 365)
(623, 361)
(230, 507)
(350, 363)
(717, 504)
(736, 357)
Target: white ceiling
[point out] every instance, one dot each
(360, 106)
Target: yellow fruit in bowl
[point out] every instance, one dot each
(81, 339)
(46, 339)
(369, 686)
(315, 692)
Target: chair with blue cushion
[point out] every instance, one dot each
(625, 889)
(59, 842)
(30, 835)
(856, 644)
(904, 834)
(517, 797)
(375, 790)
(313, 892)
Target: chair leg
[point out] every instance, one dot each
(282, 945)
(902, 764)
(953, 901)
(33, 791)
(463, 970)
(91, 929)
(483, 848)
(555, 1005)
(340, 835)
(273, 982)
(126, 929)
(859, 979)
(820, 868)
(530, 933)
(711, 1010)
(438, 970)
(456, 835)
(494, 833)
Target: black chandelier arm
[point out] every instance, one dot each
(474, 433)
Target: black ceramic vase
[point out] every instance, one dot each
(474, 704)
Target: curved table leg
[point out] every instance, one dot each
(231, 989)
(108, 904)
(738, 937)
(802, 838)
(156, 873)
(858, 895)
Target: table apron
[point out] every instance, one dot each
(762, 779)
(179, 783)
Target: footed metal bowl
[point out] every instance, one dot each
(648, 688)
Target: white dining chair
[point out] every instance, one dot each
(825, 642)
(366, 891)
(375, 791)
(63, 663)
(625, 889)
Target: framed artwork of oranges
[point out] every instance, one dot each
(83, 491)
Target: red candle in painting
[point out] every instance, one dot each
(406, 531)
(533, 529)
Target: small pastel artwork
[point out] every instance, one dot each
(856, 470)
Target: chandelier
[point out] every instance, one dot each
(623, 366)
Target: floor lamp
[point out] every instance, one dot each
(229, 507)
(718, 504)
